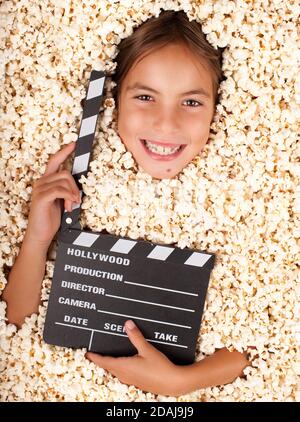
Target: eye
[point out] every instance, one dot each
(143, 95)
(194, 101)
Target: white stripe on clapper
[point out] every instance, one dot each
(123, 246)
(197, 259)
(95, 88)
(88, 125)
(86, 239)
(81, 163)
(160, 252)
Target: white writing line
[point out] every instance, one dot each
(145, 319)
(91, 340)
(121, 335)
(161, 288)
(151, 303)
(169, 344)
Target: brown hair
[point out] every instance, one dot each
(169, 26)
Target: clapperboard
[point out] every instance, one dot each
(101, 280)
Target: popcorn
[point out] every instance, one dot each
(237, 199)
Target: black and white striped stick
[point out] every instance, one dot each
(84, 143)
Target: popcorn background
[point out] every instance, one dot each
(239, 199)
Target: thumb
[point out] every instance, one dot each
(137, 339)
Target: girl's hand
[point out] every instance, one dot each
(149, 370)
(46, 207)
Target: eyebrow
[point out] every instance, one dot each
(138, 85)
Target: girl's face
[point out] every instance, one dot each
(156, 105)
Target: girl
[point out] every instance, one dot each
(167, 81)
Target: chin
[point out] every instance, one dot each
(161, 173)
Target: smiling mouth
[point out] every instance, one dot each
(162, 152)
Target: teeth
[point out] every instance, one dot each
(160, 149)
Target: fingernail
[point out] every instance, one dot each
(130, 324)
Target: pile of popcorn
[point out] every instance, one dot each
(239, 199)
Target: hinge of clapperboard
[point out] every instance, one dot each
(84, 143)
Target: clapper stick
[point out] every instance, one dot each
(84, 143)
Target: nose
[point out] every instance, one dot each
(167, 121)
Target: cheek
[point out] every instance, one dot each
(127, 128)
(202, 126)
(200, 134)
(130, 121)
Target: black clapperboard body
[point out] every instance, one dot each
(101, 280)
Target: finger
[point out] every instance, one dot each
(62, 177)
(137, 339)
(58, 192)
(67, 176)
(108, 363)
(58, 158)
(68, 183)
(69, 196)
(60, 180)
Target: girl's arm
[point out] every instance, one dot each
(221, 368)
(23, 291)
